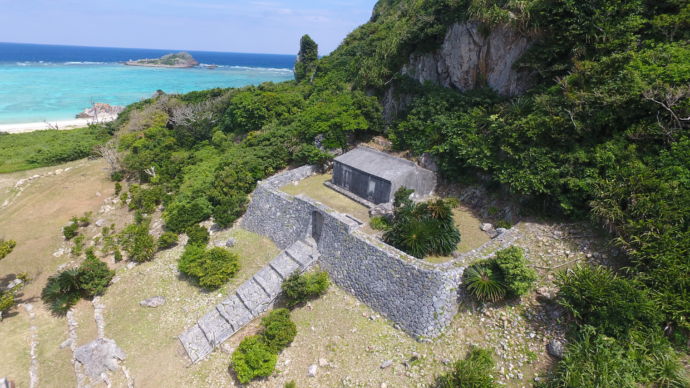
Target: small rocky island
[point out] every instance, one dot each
(178, 60)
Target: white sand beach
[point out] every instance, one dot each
(60, 124)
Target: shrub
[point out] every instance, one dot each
(614, 305)
(290, 384)
(300, 288)
(483, 283)
(230, 208)
(6, 247)
(167, 240)
(118, 188)
(94, 275)
(198, 235)
(117, 176)
(279, 330)
(474, 371)
(117, 256)
(183, 214)
(422, 229)
(379, 223)
(64, 289)
(252, 359)
(210, 268)
(78, 245)
(518, 278)
(145, 199)
(71, 230)
(139, 244)
(7, 301)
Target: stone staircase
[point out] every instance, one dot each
(252, 298)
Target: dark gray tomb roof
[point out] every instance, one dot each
(376, 163)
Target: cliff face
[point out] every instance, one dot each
(467, 59)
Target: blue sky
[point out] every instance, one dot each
(271, 26)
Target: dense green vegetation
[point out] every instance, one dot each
(299, 288)
(65, 288)
(474, 371)
(6, 247)
(24, 151)
(602, 134)
(306, 59)
(506, 275)
(210, 268)
(422, 229)
(257, 354)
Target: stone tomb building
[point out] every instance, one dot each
(375, 176)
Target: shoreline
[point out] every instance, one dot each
(53, 125)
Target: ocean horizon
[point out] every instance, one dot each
(53, 82)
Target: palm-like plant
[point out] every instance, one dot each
(62, 291)
(484, 284)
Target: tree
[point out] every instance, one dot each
(306, 58)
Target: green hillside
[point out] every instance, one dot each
(602, 134)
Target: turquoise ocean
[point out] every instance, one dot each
(41, 82)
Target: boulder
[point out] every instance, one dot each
(99, 356)
(311, 372)
(429, 162)
(382, 210)
(153, 302)
(555, 348)
(486, 227)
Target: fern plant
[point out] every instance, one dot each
(484, 284)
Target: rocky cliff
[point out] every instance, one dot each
(469, 57)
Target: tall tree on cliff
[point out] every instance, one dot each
(306, 58)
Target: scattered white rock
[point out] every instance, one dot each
(386, 364)
(323, 362)
(485, 227)
(311, 372)
(131, 265)
(153, 302)
(230, 243)
(67, 343)
(100, 222)
(14, 283)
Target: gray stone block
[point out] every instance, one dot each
(284, 265)
(302, 253)
(254, 297)
(270, 280)
(195, 343)
(215, 327)
(235, 312)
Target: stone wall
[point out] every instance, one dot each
(418, 296)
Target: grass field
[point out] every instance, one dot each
(24, 151)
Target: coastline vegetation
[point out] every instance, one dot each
(25, 151)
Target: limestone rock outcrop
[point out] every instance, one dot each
(470, 57)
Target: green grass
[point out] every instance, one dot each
(24, 151)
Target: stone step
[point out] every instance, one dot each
(303, 253)
(195, 343)
(251, 299)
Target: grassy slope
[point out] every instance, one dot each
(24, 151)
